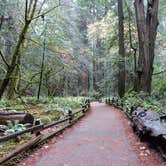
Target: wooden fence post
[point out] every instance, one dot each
(87, 102)
(37, 122)
(83, 109)
(113, 100)
(70, 116)
(109, 101)
(117, 104)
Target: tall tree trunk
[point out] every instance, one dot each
(28, 18)
(134, 49)
(15, 80)
(42, 63)
(13, 64)
(121, 80)
(147, 30)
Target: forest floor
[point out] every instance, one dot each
(103, 138)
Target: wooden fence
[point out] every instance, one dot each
(38, 128)
(140, 118)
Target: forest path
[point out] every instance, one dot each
(102, 138)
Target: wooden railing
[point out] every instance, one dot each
(153, 134)
(70, 119)
(116, 102)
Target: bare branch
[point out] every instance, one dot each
(2, 68)
(26, 10)
(3, 58)
(160, 72)
(30, 5)
(48, 11)
(44, 1)
(33, 10)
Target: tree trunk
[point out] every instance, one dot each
(15, 57)
(134, 49)
(121, 81)
(42, 63)
(147, 30)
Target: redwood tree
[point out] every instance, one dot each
(147, 22)
(121, 81)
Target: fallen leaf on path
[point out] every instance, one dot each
(145, 154)
(46, 147)
(124, 159)
(141, 154)
(66, 165)
(142, 148)
(147, 151)
(102, 147)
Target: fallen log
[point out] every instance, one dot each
(22, 117)
(147, 121)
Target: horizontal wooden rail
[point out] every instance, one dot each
(54, 133)
(36, 128)
(77, 112)
(14, 135)
(54, 123)
(115, 103)
(71, 119)
(20, 149)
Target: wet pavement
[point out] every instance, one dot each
(102, 138)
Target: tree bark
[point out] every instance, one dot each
(147, 30)
(132, 48)
(121, 80)
(16, 53)
(42, 63)
(21, 116)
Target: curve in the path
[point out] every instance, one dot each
(99, 139)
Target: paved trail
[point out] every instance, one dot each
(102, 138)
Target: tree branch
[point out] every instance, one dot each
(160, 72)
(26, 10)
(3, 58)
(2, 68)
(48, 11)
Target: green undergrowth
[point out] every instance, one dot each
(45, 109)
(154, 102)
(12, 144)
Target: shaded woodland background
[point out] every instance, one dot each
(71, 48)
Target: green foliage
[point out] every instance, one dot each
(159, 86)
(13, 127)
(147, 102)
(46, 109)
(94, 94)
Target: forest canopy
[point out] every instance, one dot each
(82, 48)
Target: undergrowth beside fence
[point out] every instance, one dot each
(132, 99)
(45, 109)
